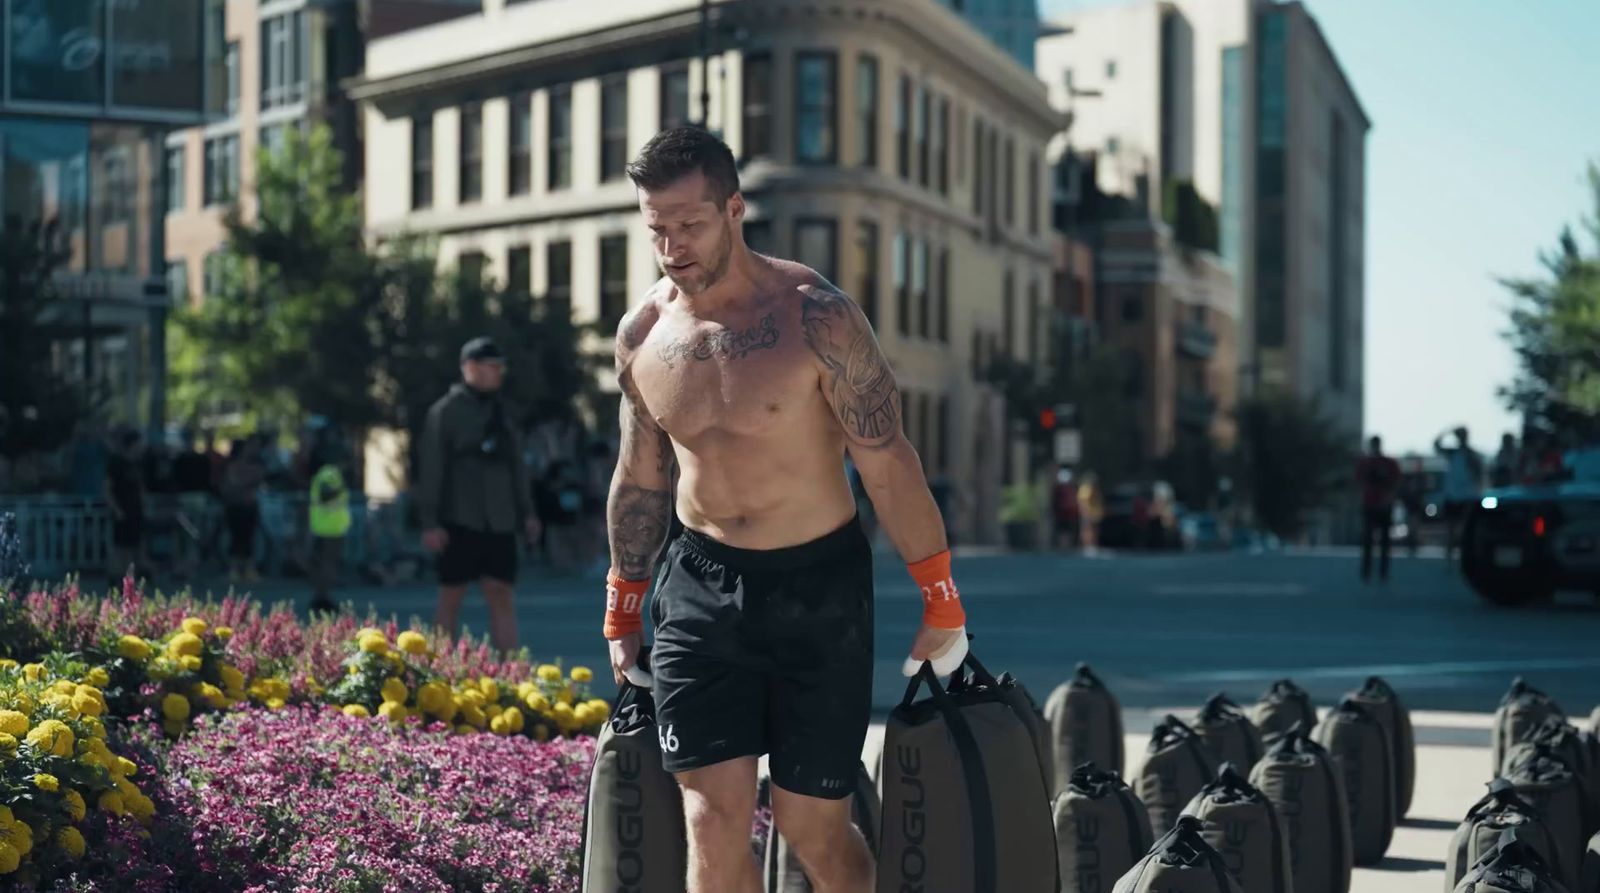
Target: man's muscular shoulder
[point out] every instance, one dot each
(638, 323)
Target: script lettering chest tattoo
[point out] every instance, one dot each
(728, 344)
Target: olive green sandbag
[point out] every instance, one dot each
(1102, 830)
(633, 827)
(1085, 726)
(1384, 705)
(1499, 811)
(1512, 867)
(783, 872)
(1177, 765)
(1241, 823)
(1360, 748)
(1299, 777)
(1281, 708)
(1182, 861)
(1521, 709)
(1230, 734)
(1589, 872)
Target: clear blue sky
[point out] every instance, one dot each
(1483, 118)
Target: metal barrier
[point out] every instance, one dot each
(58, 534)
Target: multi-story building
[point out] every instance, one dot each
(1244, 102)
(280, 65)
(884, 142)
(1013, 25)
(87, 93)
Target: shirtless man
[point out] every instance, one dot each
(755, 376)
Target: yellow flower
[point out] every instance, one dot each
(563, 714)
(193, 626)
(44, 781)
(412, 642)
(395, 691)
(13, 722)
(434, 699)
(52, 736)
(583, 716)
(98, 677)
(75, 805)
(566, 696)
(223, 632)
(473, 697)
(473, 714)
(368, 631)
(499, 726)
(356, 710)
(32, 671)
(523, 690)
(185, 643)
(212, 695)
(95, 727)
(175, 727)
(465, 729)
(190, 663)
(394, 712)
(514, 719)
(21, 837)
(275, 703)
(9, 858)
(549, 672)
(141, 808)
(8, 745)
(175, 707)
(133, 648)
(600, 708)
(7, 663)
(87, 705)
(70, 842)
(490, 689)
(232, 679)
(582, 674)
(538, 703)
(127, 789)
(126, 767)
(111, 802)
(373, 643)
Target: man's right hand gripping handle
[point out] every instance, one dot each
(624, 627)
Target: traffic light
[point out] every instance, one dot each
(1047, 419)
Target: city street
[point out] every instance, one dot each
(1167, 631)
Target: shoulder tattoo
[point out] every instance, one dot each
(856, 377)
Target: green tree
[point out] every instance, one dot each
(1555, 332)
(38, 406)
(1192, 218)
(1291, 460)
(1098, 387)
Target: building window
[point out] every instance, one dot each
(944, 295)
(1113, 146)
(941, 147)
(175, 181)
(470, 146)
(222, 170)
(1008, 164)
(116, 186)
(613, 281)
(919, 286)
(212, 274)
(216, 49)
(273, 137)
(815, 239)
(613, 128)
(283, 60)
(558, 278)
(757, 114)
(867, 269)
(178, 282)
(902, 127)
(674, 96)
(1132, 307)
(230, 69)
(519, 270)
(560, 138)
(902, 285)
(519, 150)
(1008, 315)
(1111, 69)
(1032, 198)
(1033, 322)
(977, 167)
(422, 161)
(470, 268)
(816, 119)
(919, 127)
(867, 111)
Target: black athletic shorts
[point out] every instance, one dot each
(766, 652)
(475, 554)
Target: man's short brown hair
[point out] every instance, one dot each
(678, 152)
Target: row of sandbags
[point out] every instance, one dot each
(1539, 823)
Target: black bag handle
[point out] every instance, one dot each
(1086, 676)
(1189, 846)
(1220, 706)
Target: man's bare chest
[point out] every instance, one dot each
(747, 377)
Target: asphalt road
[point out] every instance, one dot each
(1166, 630)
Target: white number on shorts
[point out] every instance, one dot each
(669, 741)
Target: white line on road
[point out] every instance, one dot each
(1227, 589)
(1427, 669)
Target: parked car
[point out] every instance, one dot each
(1140, 516)
(1521, 544)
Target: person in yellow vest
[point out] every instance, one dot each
(330, 521)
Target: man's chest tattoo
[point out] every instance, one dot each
(727, 343)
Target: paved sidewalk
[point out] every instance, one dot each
(1450, 778)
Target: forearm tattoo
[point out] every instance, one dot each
(638, 521)
(858, 381)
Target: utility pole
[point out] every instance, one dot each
(705, 64)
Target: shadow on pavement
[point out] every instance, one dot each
(1430, 824)
(1398, 863)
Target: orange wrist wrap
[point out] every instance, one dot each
(941, 603)
(624, 599)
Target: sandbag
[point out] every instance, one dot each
(783, 872)
(1360, 748)
(1299, 777)
(1180, 862)
(1241, 823)
(1384, 705)
(1512, 867)
(1177, 765)
(1499, 811)
(1023, 705)
(1522, 708)
(1085, 726)
(1283, 706)
(1589, 871)
(633, 827)
(1573, 748)
(1102, 830)
(1229, 733)
(1548, 784)
(964, 804)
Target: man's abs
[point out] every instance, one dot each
(770, 496)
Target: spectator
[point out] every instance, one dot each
(241, 506)
(124, 494)
(1504, 469)
(1378, 477)
(1463, 485)
(474, 493)
(1091, 509)
(1064, 508)
(329, 519)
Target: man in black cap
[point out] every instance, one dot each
(474, 496)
